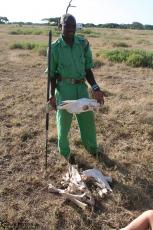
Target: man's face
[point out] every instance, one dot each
(68, 28)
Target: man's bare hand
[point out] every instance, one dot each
(99, 96)
(52, 102)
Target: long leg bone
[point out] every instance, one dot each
(65, 193)
(74, 198)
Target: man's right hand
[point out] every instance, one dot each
(99, 96)
(52, 102)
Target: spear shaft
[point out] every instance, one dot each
(48, 89)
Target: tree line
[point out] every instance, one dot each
(55, 22)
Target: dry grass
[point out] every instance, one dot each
(124, 130)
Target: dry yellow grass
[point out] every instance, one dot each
(124, 130)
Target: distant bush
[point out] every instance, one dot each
(89, 33)
(30, 31)
(35, 31)
(134, 58)
(86, 31)
(38, 47)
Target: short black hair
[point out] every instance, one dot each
(67, 17)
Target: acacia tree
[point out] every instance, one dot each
(3, 20)
(53, 21)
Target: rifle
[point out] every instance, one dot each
(48, 89)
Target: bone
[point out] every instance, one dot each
(75, 177)
(74, 198)
(80, 105)
(77, 190)
(79, 203)
(101, 192)
(99, 177)
(64, 192)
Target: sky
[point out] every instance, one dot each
(86, 11)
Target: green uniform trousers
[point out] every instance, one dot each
(85, 120)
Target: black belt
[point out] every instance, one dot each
(71, 80)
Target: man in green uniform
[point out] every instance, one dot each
(71, 64)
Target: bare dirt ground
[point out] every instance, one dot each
(124, 132)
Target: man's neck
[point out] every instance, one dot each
(69, 41)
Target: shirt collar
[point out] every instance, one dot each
(63, 43)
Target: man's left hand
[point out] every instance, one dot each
(99, 96)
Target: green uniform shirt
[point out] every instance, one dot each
(71, 62)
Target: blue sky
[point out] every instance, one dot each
(94, 11)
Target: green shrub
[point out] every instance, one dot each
(29, 46)
(17, 46)
(116, 55)
(40, 48)
(134, 58)
(140, 59)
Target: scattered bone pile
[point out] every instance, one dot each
(76, 189)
